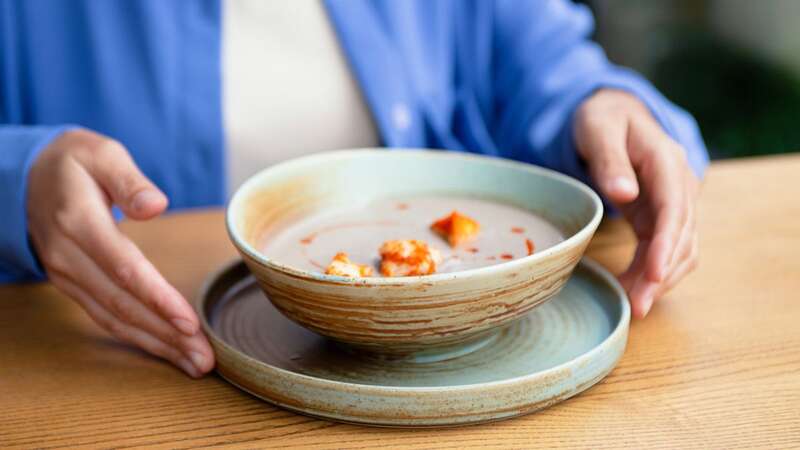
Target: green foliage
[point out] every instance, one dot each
(745, 105)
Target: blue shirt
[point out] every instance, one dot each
(493, 77)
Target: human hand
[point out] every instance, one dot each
(71, 188)
(645, 174)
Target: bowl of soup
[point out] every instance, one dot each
(290, 221)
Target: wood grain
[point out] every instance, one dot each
(715, 365)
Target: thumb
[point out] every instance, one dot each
(605, 150)
(115, 171)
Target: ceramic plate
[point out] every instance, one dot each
(554, 352)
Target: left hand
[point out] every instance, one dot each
(645, 174)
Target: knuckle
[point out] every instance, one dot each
(675, 153)
(80, 135)
(124, 309)
(157, 302)
(71, 218)
(592, 120)
(54, 260)
(116, 329)
(678, 151)
(79, 139)
(66, 219)
(109, 145)
(86, 143)
(124, 274)
(173, 339)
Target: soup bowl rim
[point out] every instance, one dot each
(238, 200)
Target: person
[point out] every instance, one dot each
(141, 105)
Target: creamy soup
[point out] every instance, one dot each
(506, 233)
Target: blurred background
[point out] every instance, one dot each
(734, 64)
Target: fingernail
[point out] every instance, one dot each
(184, 326)
(648, 303)
(143, 198)
(623, 185)
(197, 359)
(648, 294)
(187, 367)
(642, 291)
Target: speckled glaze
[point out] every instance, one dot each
(406, 316)
(552, 353)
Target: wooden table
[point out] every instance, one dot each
(715, 365)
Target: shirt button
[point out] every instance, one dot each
(401, 116)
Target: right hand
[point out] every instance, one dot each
(71, 188)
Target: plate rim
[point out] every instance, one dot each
(620, 329)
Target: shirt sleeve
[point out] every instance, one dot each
(19, 147)
(545, 66)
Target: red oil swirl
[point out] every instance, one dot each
(529, 245)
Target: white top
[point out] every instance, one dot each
(287, 87)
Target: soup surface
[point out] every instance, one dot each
(507, 232)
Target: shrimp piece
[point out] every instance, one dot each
(456, 228)
(401, 258)
(342, 266)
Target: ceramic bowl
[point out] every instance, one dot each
(439, 313)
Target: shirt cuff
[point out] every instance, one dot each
(21, 146)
